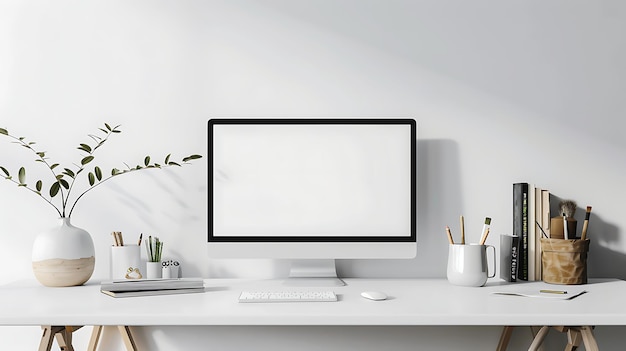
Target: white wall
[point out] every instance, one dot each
(503, 92)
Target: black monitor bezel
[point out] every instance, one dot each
(317, 239)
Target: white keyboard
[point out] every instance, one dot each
(287, 296)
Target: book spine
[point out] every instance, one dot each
(520, 227)
(514, 254)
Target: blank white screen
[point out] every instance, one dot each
(311, 180)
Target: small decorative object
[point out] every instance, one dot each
(154, 249)
(170, 269)
(64, 256)
(133, 273)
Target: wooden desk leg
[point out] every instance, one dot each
(95, 338)
(573, 339)
(64, 339)
(588, 339)
(504, 338)
(47, 338)
(127, 337)
(538, 340)
(63, 336)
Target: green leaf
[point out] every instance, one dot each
(5, 171)
(59, 176)
(21, 176)
(92, 179)
(98, 172)
(38, 185)
(69, 173)
(41, 154)
(54, 166)
(115, 171)
(4, 131)
(108, 127)
(85, 148)
(86, 160)
(65, 184)
(173, 164)
(167, 158)
(54, 189)
(192, 157)
(146, 161)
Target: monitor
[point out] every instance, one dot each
(313, 191)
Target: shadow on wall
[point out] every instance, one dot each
(603, 261)
(438, 175)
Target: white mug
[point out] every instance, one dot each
(467, 264)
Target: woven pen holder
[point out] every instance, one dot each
(564, 261)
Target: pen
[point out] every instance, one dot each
(449, 235)
(546, 291)
(140, 237)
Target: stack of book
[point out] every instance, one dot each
(521, 252)
(149, 287)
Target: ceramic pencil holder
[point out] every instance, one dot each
(564, 261)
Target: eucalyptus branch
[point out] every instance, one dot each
(116, 172)
(31, 189)
(41, 157)
(61, 186)
(85, 160)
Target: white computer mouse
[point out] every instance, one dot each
(374, 295)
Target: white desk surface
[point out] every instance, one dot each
(411, 302)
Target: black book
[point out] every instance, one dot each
(520, 227)
(509, 248)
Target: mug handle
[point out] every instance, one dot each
(493, 261)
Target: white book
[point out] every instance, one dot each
(151, 284)
(151, 292)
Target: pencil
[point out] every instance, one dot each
(139, 241)
(449, 235)
(462, 220)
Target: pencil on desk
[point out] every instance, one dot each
(449, 235)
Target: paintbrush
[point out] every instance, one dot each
(485, 232)
(583, 236)
(568, 208)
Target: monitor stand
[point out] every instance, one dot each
(320, 272)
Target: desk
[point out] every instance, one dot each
(412, 302)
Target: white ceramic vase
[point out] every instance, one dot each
(63, 256)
